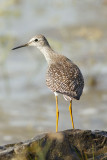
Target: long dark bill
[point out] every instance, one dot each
(24, 45)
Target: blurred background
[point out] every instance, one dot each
(77, 29)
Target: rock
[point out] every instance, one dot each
(66, 145)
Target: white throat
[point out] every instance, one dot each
(47, 52)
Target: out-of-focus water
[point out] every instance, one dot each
(73, 28)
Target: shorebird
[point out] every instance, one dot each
(62, 77)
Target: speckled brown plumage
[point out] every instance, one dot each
(64, 77)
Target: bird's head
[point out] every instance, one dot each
(38, 41)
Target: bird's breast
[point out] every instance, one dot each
(65, 78)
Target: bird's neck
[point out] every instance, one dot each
(48, 53)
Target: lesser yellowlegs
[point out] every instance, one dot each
(63, 76)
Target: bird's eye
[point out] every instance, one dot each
(36, 40)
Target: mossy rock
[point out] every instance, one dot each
(66, 145)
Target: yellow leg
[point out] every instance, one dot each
(57, 114)
(70, 110)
